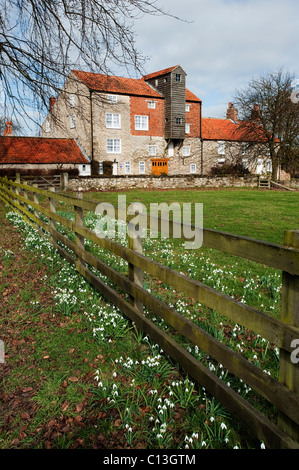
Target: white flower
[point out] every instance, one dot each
(223, 426)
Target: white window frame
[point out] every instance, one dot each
(186, 151)
(151, 104)
(142, 168)
(188, 128)
(72, 100)
(101, 168)
(113, 145)
(113, 121)
(48, 126)
(221, 160)
(187, 108)
(179, 120)
(127, 168)
(152, 150)
(269, 165)
(72, 121)
(192, 168)
(244, 148)
(221, 147)
(245, 163)
(178, 77)
(141, 123)
(112, 99)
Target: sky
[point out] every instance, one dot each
(221, 44)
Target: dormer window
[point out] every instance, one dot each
(178, 77)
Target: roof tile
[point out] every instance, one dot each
(36, 150)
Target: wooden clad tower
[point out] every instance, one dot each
(171, 83)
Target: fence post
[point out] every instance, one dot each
(52, 204)
(289, 365)
(64, 181)
(36, 201)
(135, 274)
(79, 240)
(17, 190)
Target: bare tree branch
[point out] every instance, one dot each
(42, 40)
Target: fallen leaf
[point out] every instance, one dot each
(79, 407)
(73, 379)
(65, 406)
(25, 416)
(117, 423)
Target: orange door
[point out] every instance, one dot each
(160, 166)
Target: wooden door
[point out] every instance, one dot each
(160, 166)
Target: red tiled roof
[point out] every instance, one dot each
(24, 150)
(159, 73)
(225, 129)
(191, 97)
(121, 85)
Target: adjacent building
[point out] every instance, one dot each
(38, 155)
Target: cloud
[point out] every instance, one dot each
(222, 44)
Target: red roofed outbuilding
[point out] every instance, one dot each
(39, 154)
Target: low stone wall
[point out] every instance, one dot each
(126, 183)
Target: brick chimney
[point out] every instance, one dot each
(232, 112)
(8, 128)
(255, 113)
(51, 102)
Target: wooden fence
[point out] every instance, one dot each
(284, 333)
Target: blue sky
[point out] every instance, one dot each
(222, 45)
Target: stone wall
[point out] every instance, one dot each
(126, 183)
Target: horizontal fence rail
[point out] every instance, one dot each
(24, 199)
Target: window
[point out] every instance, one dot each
(221, 160)
(112, 99)
(187, 129)
(151, 104)
(178, 77)
(73, 122)
(165, 80)
(244, 148)
(128, 168)
(269, 166)
(186, 151)
(152, 150)
(72, 100)
(193, 168)
(221, 147)
(156, 82)
(113, 146)
(187, 108)
(113, 121)
(245, 163)
(178, 120)
(141, 123)
(101, 168)
(141, 168)
(48, 128)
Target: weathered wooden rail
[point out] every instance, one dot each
(283, 394)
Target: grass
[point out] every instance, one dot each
(99, 383)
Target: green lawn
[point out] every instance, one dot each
(259, 214)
